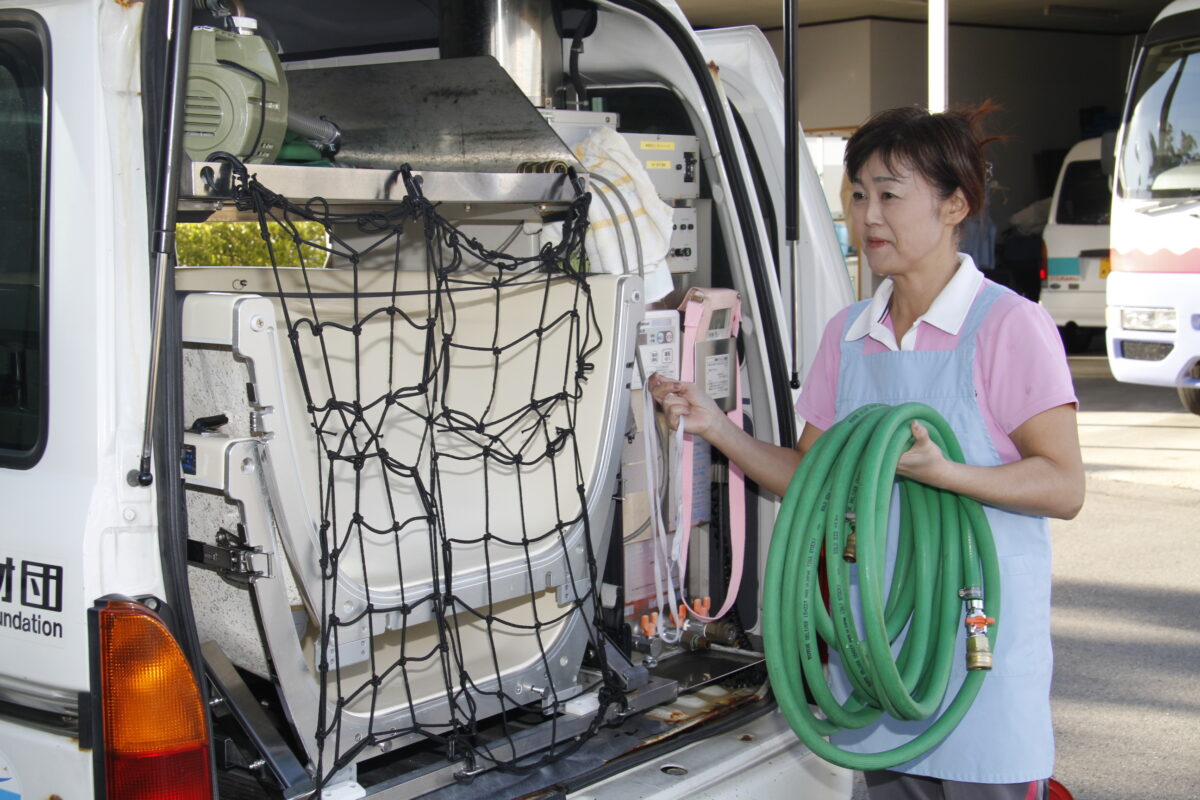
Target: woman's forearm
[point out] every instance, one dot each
(1048, 479)
(1034, 485)
(768, 465)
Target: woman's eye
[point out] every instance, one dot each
(858, 195)
(888, 196)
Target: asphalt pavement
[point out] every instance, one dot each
(1126, 607)
(1126, 603)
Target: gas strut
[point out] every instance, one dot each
(163, 245)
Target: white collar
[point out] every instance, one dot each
(948, 311)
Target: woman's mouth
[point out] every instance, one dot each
(874, 242)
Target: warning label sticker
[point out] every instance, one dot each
(717, 375)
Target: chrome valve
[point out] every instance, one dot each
(979, 651)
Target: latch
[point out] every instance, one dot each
(689, 167)
(231, 557)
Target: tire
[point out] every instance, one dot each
(1190, 397)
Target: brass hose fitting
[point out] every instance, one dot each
(979, 654)
(979, 651)
(850, 548)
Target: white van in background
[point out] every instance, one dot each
(1075, 259)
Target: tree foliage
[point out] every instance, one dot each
(240, 244)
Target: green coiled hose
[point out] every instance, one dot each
(843, 487)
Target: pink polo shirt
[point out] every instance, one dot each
(1020, 366)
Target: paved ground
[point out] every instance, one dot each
(1126, 598)
(1126, 616)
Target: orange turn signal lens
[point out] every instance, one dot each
(155, 726)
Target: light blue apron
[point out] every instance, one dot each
(1006, 736)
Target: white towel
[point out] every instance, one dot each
(606, 153)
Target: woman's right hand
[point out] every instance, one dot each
(686, 400)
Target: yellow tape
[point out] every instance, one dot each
(621, 220)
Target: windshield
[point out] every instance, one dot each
(1161, 158)
(1083, 198)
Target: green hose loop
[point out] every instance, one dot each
(845, 483)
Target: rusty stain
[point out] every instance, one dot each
(123, 4)
(681, 720)
(713, 68)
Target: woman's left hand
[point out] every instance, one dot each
(924, 461)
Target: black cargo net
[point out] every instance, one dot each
(409, 435)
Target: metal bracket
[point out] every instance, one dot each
(630, 676)
(230, 556)
(277, 757)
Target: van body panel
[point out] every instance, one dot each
(1155, 358)
(37, 764)
(771, 769)
(74, 529)
(1076, 241)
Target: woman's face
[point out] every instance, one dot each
(904, 227)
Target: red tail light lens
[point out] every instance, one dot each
(155, 726)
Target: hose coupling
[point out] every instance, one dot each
(690, 640)
(979, 651)
(850, 548)
(720, 631)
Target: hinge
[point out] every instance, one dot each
(230, 556)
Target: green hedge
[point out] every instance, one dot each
(240, 244)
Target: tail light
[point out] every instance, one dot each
(156, 744)
(1044, 269)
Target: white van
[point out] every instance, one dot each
(366, 518)
(1075, 257)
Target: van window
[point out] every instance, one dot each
(23, 146)
(1084, 198)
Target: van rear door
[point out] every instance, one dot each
(748, 72)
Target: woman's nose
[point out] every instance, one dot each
(871, 211)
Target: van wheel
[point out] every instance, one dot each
(1190, 397)
(1075, 339)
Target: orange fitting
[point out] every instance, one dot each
(703, 606)
(978, 622)
(647, 628)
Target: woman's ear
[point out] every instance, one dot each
(955, 208)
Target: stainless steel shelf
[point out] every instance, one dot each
(210, 181)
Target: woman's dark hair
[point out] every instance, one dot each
(946, 148)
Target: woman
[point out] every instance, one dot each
(991, 363)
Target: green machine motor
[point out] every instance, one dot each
(236, 95)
